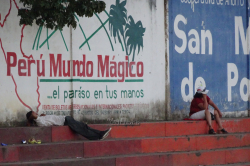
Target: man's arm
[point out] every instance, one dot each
(215, 107)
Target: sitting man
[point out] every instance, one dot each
(78, 127)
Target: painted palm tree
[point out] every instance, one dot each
(117, 21)
(134, 33)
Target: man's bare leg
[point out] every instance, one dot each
(218, 120)
(208, 118)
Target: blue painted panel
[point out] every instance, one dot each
(217, 18)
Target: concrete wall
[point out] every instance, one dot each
(85, 71)
(144, 66)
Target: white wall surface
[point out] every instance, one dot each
(59, 95)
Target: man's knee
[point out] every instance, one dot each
(215, 112)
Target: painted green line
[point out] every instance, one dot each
(82, 32)
(55, 80)
(36, 37)
(64, 41)
(98, 80)
(138, 80)
(76, 80)
(84, 36)
(106, 13)
(93, 34)
(105, 31)
(47, 38)
(76, 17)
(39, 38)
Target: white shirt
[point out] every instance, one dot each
(50, 120)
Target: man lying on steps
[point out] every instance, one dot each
(78, 127)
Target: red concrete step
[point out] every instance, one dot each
(178, 128)
(228, 156)
(156, 129)
(153, 129)
(15, 135)
(164, 144)
(210, 157)
(66, 162)
(200, 127)
(88, 149)
(46, 151)
(107, 161)
(237, 164)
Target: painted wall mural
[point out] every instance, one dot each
(104, 68)
(209, 45)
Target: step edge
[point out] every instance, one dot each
(124, 156)
(128, 139)
(108, 124)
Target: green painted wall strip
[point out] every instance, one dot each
(82, 32)
(93, 34)
(41, 28)
(36, 37)
(76, 17)
(84, 36)
(47, 38)
(64, 41)
(138, 80)
(105, 31)
(106, 13)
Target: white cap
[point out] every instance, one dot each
(202, 89)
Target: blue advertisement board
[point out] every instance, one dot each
(209, 45)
